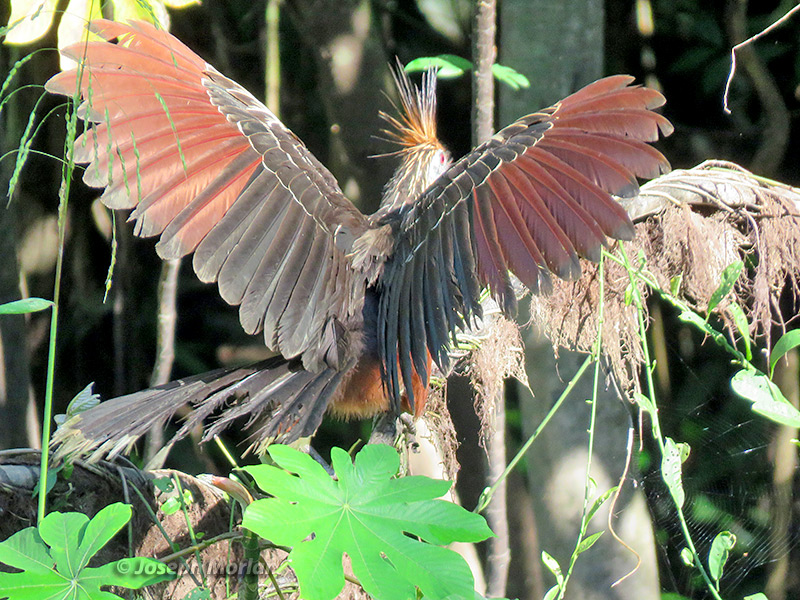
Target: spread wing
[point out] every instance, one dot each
(531, 200)
(208, 168)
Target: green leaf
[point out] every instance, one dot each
(718, 555)
(727, 280)
(742, 326)
(675, 284)
(599, 501)
(767, 399)
(448, 66)
(60, 570)
(782, 346)
(512, 78)
(671, 469)
(28, 305)
(371, 516)
(758, 596)
(687, 557)
(588, 542)
(644, 403)
(553, 566)
(85, 400)
(552, 593)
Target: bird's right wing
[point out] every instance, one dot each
(208, 168)
(531, 200)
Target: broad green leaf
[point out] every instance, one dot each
(512, 78)
(447, 66)
(101, 529)
(673, 596)
(60, 571)
(28, 305)
(553, 566)
(766, 397)
(742, 326)
(788, 341)
(718, 555)
(63, 532)
(758, 596)
(588, 542)
(671, 470)
(371, 516)
(727, 280)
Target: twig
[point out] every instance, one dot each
(747, 42)
(165, 348)
(499, 552)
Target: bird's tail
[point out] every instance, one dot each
(281, 400)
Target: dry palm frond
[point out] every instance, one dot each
(691, 224)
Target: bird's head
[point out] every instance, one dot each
(423, 157)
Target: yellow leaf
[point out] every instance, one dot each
(151, 11)
(29, 20)
(73, 25)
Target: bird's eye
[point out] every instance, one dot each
(442, 158)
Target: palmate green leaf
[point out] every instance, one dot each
(369, 515)
(53, 559)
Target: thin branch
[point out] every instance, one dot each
(747, 42)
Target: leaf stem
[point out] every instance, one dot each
(486, 495)
(636, 275)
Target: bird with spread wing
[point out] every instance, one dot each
(357, 307)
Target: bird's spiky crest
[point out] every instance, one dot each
(415, 124)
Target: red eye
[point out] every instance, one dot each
(442, 158)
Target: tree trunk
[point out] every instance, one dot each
(559, 47)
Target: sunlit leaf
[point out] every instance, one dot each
(553, 566)
(52, 559)
(718, 555)
(727, 280)
(671, 469)
(29, 20)
(27, 305)
(742, 326)
(367, 513)
(767, 398)
(512, 78)
(787, 342)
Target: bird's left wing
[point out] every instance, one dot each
(210, 169)
(531, 200)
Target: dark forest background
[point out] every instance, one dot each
(679, 46)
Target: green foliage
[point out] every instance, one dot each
(28, 305)
(84, 400)
(720, 548)
(393, 529)
(54, 558)
(449, 66)
(787, 342)
(766, 397)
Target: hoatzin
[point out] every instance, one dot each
(356, 306)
